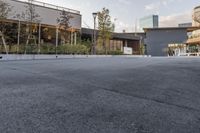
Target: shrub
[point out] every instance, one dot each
(72, 49)
(116, 52)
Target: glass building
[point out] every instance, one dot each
(151, 21)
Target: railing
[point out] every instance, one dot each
(51, 6)
(194, 40)
(194, 36)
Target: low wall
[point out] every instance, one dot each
(40, 57)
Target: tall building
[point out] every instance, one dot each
(151, 21)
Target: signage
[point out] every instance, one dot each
(128, 51)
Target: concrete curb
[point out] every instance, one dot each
(40, 57)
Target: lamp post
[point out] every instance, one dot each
(94, 34)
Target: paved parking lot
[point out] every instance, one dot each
(100, 95)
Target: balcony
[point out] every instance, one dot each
(194, 39)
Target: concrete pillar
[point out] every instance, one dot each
(18, 36)
(39, 39)
(75, 38)
(126, 44)
(122, 48)
(71, 40)
(56, 39)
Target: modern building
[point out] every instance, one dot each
(44, 21)
(194, 39)
(175, 41)
(185, 25)
(159, 39)
(48, 31)
(151, 21)
(118, 40)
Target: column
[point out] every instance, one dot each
(56, 39)
(39, 38)
(18, 36)
(75, 38)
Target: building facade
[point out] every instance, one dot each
(47, 14)
(118, 40)
(158, 40)
(194, 39)
(40, 24)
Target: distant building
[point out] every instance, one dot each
(185, 25)
(151, 21)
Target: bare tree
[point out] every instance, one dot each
(64, 23)
(4, 11)
(32, 18)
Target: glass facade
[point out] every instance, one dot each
(149, 22)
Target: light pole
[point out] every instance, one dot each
(94, 34)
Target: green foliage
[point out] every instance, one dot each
(73, 49)
(142, 49)
(112, 52)
(48, 48)
(86, 43)
(64, 49)
(106, 27)
(116, 52)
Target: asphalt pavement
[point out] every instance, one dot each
(100, 95)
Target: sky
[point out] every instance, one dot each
(128, 12)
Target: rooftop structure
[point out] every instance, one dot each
(47, 13)
(185, 25)
(47, 5)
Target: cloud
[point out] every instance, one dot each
(157, 5)
(120, 26)
(125, 2)
(175, 19)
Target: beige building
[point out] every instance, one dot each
(194, 39)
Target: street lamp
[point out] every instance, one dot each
(94, 34)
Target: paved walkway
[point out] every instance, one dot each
(104, 95)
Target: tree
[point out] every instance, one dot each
(4, 11)
(106, 27)
(196, 16)
(64, 23)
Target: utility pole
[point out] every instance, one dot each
(94, 34)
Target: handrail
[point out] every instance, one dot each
(194, 36)
(35, 2)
